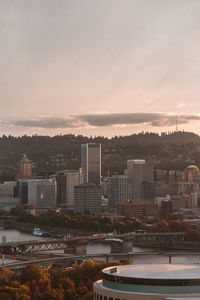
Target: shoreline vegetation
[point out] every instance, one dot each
(63, 224)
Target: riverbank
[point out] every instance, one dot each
(29, 227)
(61, 231)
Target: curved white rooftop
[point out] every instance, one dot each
(156, 271)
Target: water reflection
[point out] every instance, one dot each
(13, 235)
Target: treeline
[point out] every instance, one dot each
(79, 223)
(36, 283)
(94, 224)
(176, 149)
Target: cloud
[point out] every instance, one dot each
(50, 123)
(152, 119)
(106, 120)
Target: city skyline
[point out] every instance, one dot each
(99, 67)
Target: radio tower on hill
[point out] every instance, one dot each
(176, 123)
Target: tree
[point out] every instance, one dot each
(23, 297)
(53, 295)
(5, 296)
(5, 276)
(82, 290)
(87, 296)
(70, 294)
(32, 272)
(67, 283)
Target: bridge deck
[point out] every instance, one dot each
(55, 244)
(63, 258)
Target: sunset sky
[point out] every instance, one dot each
(99, 67)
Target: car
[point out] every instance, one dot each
(132, 233)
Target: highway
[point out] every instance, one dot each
(92, 256)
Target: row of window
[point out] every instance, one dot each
(101, 297)
(150, 281)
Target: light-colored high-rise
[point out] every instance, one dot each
(138, 172)
(91, 163)
(118, 189)
(38, 192)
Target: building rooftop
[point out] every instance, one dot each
(192, 167)
(24, 159)
(187, 298)
(156, 271)
(137, 161)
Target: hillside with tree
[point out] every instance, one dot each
(173, 150)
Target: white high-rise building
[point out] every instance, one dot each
(91, 163)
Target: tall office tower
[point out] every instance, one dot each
(118, 190)
(38, 192)
(66, 181)
(91, 163)
(138, 172)
(149, 190)
(87, 198)
(22, 191)
(24, 169)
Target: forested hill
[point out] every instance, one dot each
(170, 151)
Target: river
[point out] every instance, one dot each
(13, 235)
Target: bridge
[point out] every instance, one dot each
(78, 245)
(64, 260)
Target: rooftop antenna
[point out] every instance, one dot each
(176, 123)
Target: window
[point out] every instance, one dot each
(105, 297)
(101, 298)
(149, 281)
(110, 298)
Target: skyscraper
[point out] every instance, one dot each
(91, 163)
(138, 172)
(66, 180)
(87, 199)
(118, 188)
(38, 192)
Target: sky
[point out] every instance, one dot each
(103, 67)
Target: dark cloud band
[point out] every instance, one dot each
(112, 119)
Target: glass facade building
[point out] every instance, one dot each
(91, 163)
